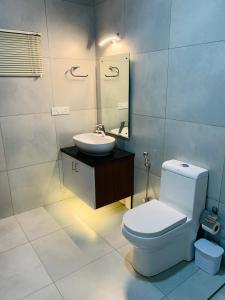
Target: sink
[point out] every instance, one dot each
(94, 144)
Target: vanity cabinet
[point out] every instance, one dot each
(98, 180)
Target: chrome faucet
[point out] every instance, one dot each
(100, 129)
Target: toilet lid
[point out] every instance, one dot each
(152, 219)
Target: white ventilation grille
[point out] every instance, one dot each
(20, 53)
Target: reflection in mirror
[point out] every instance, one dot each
(114, 94)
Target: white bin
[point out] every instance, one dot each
(208, 256)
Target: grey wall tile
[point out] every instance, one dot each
(149, 83)
(140, 177)
(197, 22)
(29, 139)
(77, 122)
(109, 21)
(198, 144)
(147, 135)
(222, 192)
(82, 2)
(78, 93)
(210, 203)
(21, 95)
(5, 198)
(71, 30)
(25, 15)
(2, 154)
(34, 186)
(147, 24)
(196, 84)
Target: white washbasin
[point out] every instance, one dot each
(94, 143)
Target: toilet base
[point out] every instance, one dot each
(150, 263)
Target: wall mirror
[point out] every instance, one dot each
(113, 102)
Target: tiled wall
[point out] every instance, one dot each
(177, 84)
(30, 166)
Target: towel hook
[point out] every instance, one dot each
(115, 70)
(73, 70)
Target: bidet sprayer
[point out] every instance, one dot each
(146, 160)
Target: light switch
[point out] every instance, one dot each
(60, 110)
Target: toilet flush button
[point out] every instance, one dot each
(185, 165)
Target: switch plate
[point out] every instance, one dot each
(60, 110)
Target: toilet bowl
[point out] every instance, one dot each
(162, 232)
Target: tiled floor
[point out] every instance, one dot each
(69, 251)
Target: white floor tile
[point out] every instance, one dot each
(21, 273)
(170, 279)
(48, 293)
(36, 223)
(87, 240)
(220, 295)
(107, 278)
(11, 235)
(126, 252)
(60, 255)
(108, 225)
(199, 286)
(65, 211)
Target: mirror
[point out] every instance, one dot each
(114, 94)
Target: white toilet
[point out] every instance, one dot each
(162, 232)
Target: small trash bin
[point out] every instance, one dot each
(208, 256)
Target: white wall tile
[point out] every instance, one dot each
(2, 154)
(25, 15)
(77, 122)
(5, 197)
(77, 93)
(34, 186)
(29, 139)
(71, 30)
(23, 95)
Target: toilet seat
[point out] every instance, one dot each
(152, 219)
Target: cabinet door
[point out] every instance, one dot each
(79, 178)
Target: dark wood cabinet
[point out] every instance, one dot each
(99, 180)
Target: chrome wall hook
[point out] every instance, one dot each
(73, 72)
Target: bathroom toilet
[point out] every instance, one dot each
(162, 232)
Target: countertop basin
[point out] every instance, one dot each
(94, 144)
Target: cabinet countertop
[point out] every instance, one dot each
(94, 161)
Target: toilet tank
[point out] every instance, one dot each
(184, 187)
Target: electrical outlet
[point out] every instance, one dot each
(60, 110)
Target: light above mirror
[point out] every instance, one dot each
(110, 39)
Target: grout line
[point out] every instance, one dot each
(30, 294)
(221, 183)
(41, 262)
(46, 112)
(182, 282)
(215, 293)
(13, 248)
(178, 120)
(167, 86)
(32, 165)
(6, 171)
